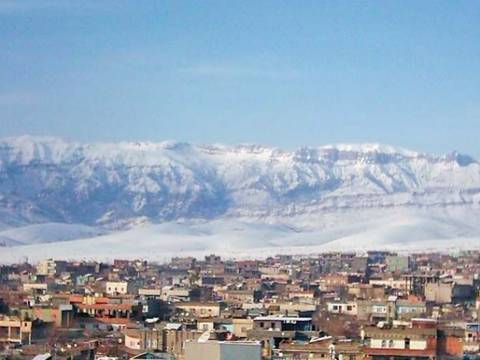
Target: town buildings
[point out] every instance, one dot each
(337, 306)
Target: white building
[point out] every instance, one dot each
(46, 268)
(348, 308)
(116, 287)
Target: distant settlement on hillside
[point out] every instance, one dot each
(334, 306)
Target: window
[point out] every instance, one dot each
(349, 307)
(390, 343)
(384, 343)
(407, 343)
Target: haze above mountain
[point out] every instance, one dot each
(333, 191)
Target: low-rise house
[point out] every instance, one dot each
(222, 350)
(150, 293)
(448, 292)
(330, 282)
(199, 309)
(60, 316)
(366, 291)
(46, 268)
(205, 324)
(175, 337)
(272, 330)
(116, 287)
(321, 348)
(406, 309)
(390, 282)
(396, 263)
(14, 330)
(418, 341)
(450, 342)
(115, 312)
(472, 338)
(379, 311)
(241, 326)
(302, 295)
(439, 292)
(238, 296)
(339, 307)
(175, 293)
(36, 288)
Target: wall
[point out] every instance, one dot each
(233, 351)
(439, 293)
(202, 351)
(222, 351)
(398, 344)
(132, 342)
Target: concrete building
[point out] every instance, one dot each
(199, 309)
(14, 330)
(418, 341)
(175, 293)
(46, 268)
(347, 308)
(241, 327)
(237, 296)
(175, 336)
(282, 323)
(150, 293)
(397, 263)
(320, 348)
(61, 315)
(35, 288)
(407, 310)
(359, 264)
(439, 293)
(222, 350)
(116, 287)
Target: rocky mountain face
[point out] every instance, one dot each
(123, 184)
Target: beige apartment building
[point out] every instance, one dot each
(199, 309)
(14, 330)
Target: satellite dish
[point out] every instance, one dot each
(204, 337)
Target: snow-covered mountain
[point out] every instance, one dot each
(46, 179)
(117, 186)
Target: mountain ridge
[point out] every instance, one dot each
(120, 185)
(25, 142)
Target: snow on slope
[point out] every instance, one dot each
(400, 230)
(48, 232)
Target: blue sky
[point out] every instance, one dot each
(283, 73)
